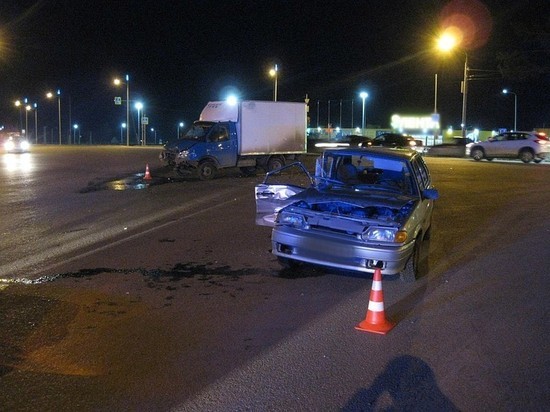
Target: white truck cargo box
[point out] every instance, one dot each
(265, 127)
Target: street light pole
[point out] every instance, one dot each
(139, 106)
(274, 72)
(127, 83)
(363, 96)
(506, 91)
(122, 127)
(49, 95)
(36, 123)
(128, 110)
(464, 95)
(28, 108)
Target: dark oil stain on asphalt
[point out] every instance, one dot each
(207, 273)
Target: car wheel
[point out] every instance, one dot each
(526, 156)
(410, 272)
(428, 233)
(206, 170)
(477, 154)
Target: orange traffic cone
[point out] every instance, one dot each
(147, 173)
(376, 321)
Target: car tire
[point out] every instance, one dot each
(526, 155)
(249, 170)
(206, 170)
(477, 154)
(410, 273)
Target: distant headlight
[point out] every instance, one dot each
(291, 219)
(25, 145)
(9, 145)
(384, 234)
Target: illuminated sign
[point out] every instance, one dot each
(415, 122)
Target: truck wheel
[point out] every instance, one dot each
(275, 163)
(206, 170)
(249, 170)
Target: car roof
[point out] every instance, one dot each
(404, 154)
(395, 135)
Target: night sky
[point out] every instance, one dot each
(181, 54)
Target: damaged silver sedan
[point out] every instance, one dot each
(363, 209)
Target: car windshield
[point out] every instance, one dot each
(364, 172)
(198, 131)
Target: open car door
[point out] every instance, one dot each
(272, 195)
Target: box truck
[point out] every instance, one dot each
(249, 134)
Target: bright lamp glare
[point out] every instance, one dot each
(446, 42)
(232, 100)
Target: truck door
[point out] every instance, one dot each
(222, 145)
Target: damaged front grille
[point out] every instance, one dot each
(347, 218)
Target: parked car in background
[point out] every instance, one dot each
(16, 144)
(526, 146)
(458, 147)
(363, 209)
(394, 141)
(356, 140)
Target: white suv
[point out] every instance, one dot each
(526, 146)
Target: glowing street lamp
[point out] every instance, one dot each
(506, 91)
(180, 125)
(118, 82)
(363, 96)
(75, 127)
(49, 95)
(274, 72)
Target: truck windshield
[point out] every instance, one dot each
(198, 131)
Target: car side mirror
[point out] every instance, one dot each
(431, 194)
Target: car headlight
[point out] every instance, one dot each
(291, 219)
(9, 145)
(183, 154)
(384, 234)
(25, 145)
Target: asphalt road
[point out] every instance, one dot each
(121, 295)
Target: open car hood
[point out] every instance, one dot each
(360, 198)
(270, 199)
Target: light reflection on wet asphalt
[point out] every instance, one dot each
(135, 182)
